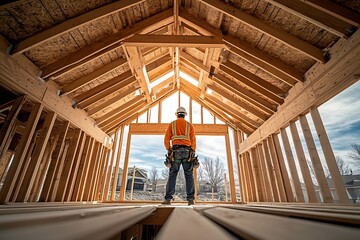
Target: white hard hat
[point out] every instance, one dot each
(181, 110)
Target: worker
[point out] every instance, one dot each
(181, 135)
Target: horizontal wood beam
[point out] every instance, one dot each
(17, 78)
(266, 28)
(320, 18)
(323, 82)
(105, 45)
(80, 82)
(160, 129)
(72, 23)
(141, 40)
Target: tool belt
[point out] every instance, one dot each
(181, 153)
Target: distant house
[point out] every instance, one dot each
(140, 179)
(352, 186)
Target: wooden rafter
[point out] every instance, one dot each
(70, 24)
(320, 18)
(272, 65)
(102, 87)
(251, 124)
(252, 81)
(78, 83)
(113, 100)
(119, 110)
(263, 27)
(110, 90)
(136, 61)
(141, 40)
(238, 101)
(335, 10)
(106, 45)
(158, 62)
(245, 94)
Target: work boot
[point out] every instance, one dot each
(166, 202)
(191, 202)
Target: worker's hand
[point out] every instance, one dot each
(169, 152)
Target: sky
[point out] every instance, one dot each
(341, 117)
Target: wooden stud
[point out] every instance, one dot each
(110, 167)
(270, 171)
(275, 145)
(303, 163)
(87, 165)
(252, 180)
(99, 191)
(125, 171)
(59, 191)
(9, 123)
(329, 156)
(54, 186)
(239, 167)
(277, 172)
(264, 175)
(55, 161)
(117, 164)
(230, 168)
(21, 151)
(291, 163)
(94, 181)
(86, 193)
(256, 173)
(32, 170)
(315, 159)
(77, 172)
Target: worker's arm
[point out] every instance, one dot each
(192, 138)
(167, 137)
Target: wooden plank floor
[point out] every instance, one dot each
(178, 221)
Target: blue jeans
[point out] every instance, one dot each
(189, 178)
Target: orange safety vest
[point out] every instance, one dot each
(180, 137)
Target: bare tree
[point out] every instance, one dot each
(199, 177)
(214, 171)
(165, 173)
(343, 166)
(312, 172)
(355, 152)
(180, 180)
(154, 177)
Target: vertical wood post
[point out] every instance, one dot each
(20, 154)
(36, 157)
(283, 171)
(329, 156)
(303, 163)
(126, 164)
(271, 172)
(315, 159)
(252, 181)
(291, 163)
(256, 174)
(132, 183)
(264, 175)
(55, 159)
(230, 168)
(117, 163)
